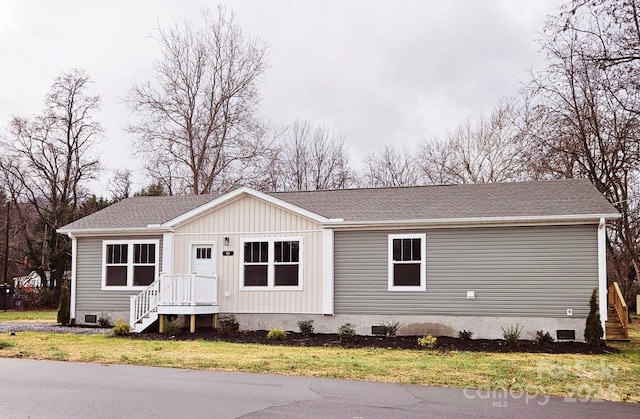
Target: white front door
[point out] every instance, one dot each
(203, 259)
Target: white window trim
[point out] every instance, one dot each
(423, 262)
(271, 264)
(130, 264)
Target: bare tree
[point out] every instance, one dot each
(196, 120)
(120, 185)
(390, 167)
(483, 152)
(47, 161)
(592, 119)
(310, 158)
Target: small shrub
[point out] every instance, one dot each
(306, 327)
(512, 334)
(429, 342)
(593, 332)
(171, 328)
(104, 320)
(64, 311)
(121, 328)
(346, 332)
(276, 334)
(228, 324)
(542, 338)
(465, 334)
(390, 328)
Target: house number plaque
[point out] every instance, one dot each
(227, 253)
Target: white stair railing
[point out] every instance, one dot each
(144, 303)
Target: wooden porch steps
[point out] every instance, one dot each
(615, 331)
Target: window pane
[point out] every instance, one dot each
(144, 253)
(264, 252)
(256, 252)
(415, 247)
(255, 276)
(406, 249)
(279, 252)
(203, 253)
(143, 275)
(295, 251)
(286, 275)
(116, 276)
(116, 253)
(406, 274)
(397, 253)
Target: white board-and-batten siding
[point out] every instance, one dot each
(89, 295)
(538, 271)
(251, 218)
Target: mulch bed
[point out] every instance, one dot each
(397, 342)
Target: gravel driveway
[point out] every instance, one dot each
(50, 327)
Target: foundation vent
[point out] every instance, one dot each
(90, 318)
(566, 334)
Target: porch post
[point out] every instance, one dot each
(161, 326)
(192, 324)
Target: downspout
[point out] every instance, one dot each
(74, 273)
(602, 273)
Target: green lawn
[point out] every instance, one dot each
(610, 377)
(17, 316)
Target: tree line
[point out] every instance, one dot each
(198, 127)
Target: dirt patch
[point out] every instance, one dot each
(397, 342)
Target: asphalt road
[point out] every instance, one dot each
(47, 389)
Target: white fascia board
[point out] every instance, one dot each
(126, 231)
(476, 221)
(244, 191)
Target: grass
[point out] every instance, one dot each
(613, 377)
(30, 316)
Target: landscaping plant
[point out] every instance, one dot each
(512, 334)
(465, 334)
(429, 342)
(121, 328)
(593, 332)
(306, 327)
(276, 334)
(228, 324)
(542, 338)
(390, 328)
(346, 332)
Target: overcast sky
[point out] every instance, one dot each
(376, 72)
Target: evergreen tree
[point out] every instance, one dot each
(64, 313)
(593, 332)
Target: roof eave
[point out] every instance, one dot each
(129, 231)
(475, 221)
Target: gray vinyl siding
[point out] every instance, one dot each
(89, 295)
(515, 271)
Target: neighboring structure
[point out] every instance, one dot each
(438, 259)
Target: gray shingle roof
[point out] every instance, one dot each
(568, 197)
(515, 199)
(140, 211)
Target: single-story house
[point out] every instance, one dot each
(437, 259)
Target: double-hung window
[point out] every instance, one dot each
(407, 262)
(271, 264)
(129, 263)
